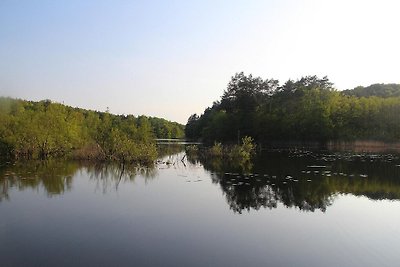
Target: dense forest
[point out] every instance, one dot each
(42, 129)
(380, 90)
(307, 110)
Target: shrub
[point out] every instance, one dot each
(216, 150)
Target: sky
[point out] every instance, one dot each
(171, 59)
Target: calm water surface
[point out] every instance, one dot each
(283, 209)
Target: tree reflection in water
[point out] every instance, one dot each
(55, 177)
(110, 176)
(304, 180)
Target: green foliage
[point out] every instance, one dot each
(242, 152)
(220, 155)
(247, 148)
(166, 129)
(45, 129)
(306, 110)
(380, 90)
(192, 149)
(216, 150)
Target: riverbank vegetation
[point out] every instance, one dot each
(236, 153)
(44, 129)
(307, 110)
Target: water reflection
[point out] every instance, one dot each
(169, 149)
(301, 179)
(55, 177)
(109, 177)
(304, 180)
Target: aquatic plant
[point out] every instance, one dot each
(216, 150)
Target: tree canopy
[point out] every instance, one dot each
(309, 109)
(41, 129)
(378, 89)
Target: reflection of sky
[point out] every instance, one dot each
(171, 59)
(170, 221)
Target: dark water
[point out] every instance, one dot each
(282, 209)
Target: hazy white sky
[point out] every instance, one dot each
(174, 58)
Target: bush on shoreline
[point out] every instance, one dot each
(242, 152)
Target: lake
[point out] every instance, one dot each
(297, 208)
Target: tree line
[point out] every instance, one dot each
(307, 110)
(42, 129)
